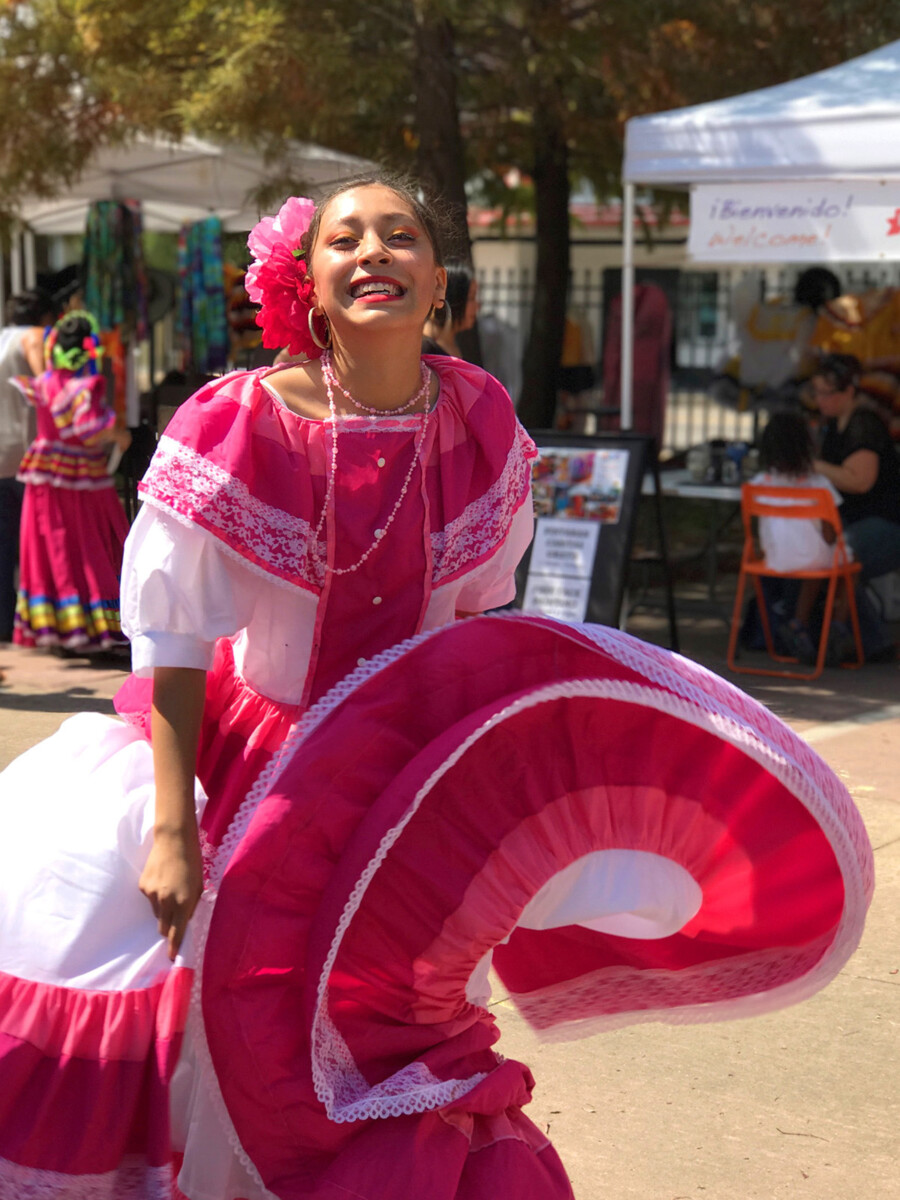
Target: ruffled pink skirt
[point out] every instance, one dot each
(70, 561)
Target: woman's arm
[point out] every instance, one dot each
(33, 349)
(855, 475)
(172, 879)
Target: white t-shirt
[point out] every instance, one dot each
(792, 545)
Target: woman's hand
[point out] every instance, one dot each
(172, 881)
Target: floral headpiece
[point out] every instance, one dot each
(277, 278)
(76, 357)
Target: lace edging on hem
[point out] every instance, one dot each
(134, 1179)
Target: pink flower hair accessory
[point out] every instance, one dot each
(278, 281)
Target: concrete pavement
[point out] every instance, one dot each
(804, 1103)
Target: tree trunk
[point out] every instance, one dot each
(540, 366)
(441, 159)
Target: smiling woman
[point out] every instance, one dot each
(384, 795)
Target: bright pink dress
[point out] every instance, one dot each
(73, 524)
(388, 800)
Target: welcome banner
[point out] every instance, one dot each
(795, 222)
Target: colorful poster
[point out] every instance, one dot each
(579, 484)
(856, 221)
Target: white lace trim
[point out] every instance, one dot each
(133, 1180)
(557, 1013)
(230, 551)
(483, 524)
(181, 478)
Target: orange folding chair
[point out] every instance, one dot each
(802, 504)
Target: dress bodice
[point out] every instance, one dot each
(250, 478)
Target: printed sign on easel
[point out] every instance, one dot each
(585, 493)
(575, 493)
(562, 563)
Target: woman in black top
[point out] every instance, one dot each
(860, 459)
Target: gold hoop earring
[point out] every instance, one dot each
(312, 330)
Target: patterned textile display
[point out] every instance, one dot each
(202, 320)
(115, 286)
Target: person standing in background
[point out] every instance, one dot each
(21, 353)
(458, 313)
(73, 526)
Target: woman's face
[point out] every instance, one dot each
(373, 265)
(832, 401)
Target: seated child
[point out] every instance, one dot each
(786, 455)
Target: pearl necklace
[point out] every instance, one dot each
(330, 379)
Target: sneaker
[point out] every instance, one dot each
(841, 646)
(797, 636)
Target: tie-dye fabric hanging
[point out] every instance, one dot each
(115, 287)
(202, 319)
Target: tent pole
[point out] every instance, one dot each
(30, 267)
(627, 373)
(15, 260)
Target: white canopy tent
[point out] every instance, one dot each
(177, 183)
(184, 181)
(838, 125)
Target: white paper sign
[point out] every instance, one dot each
(562, 563)
(562, 599)
(857, 221)
(563, 547)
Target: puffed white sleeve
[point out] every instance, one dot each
(180, 592)
(494, 583)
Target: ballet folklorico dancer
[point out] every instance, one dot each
(73, 523)
(343, 804)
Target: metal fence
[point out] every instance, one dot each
(704, 334)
